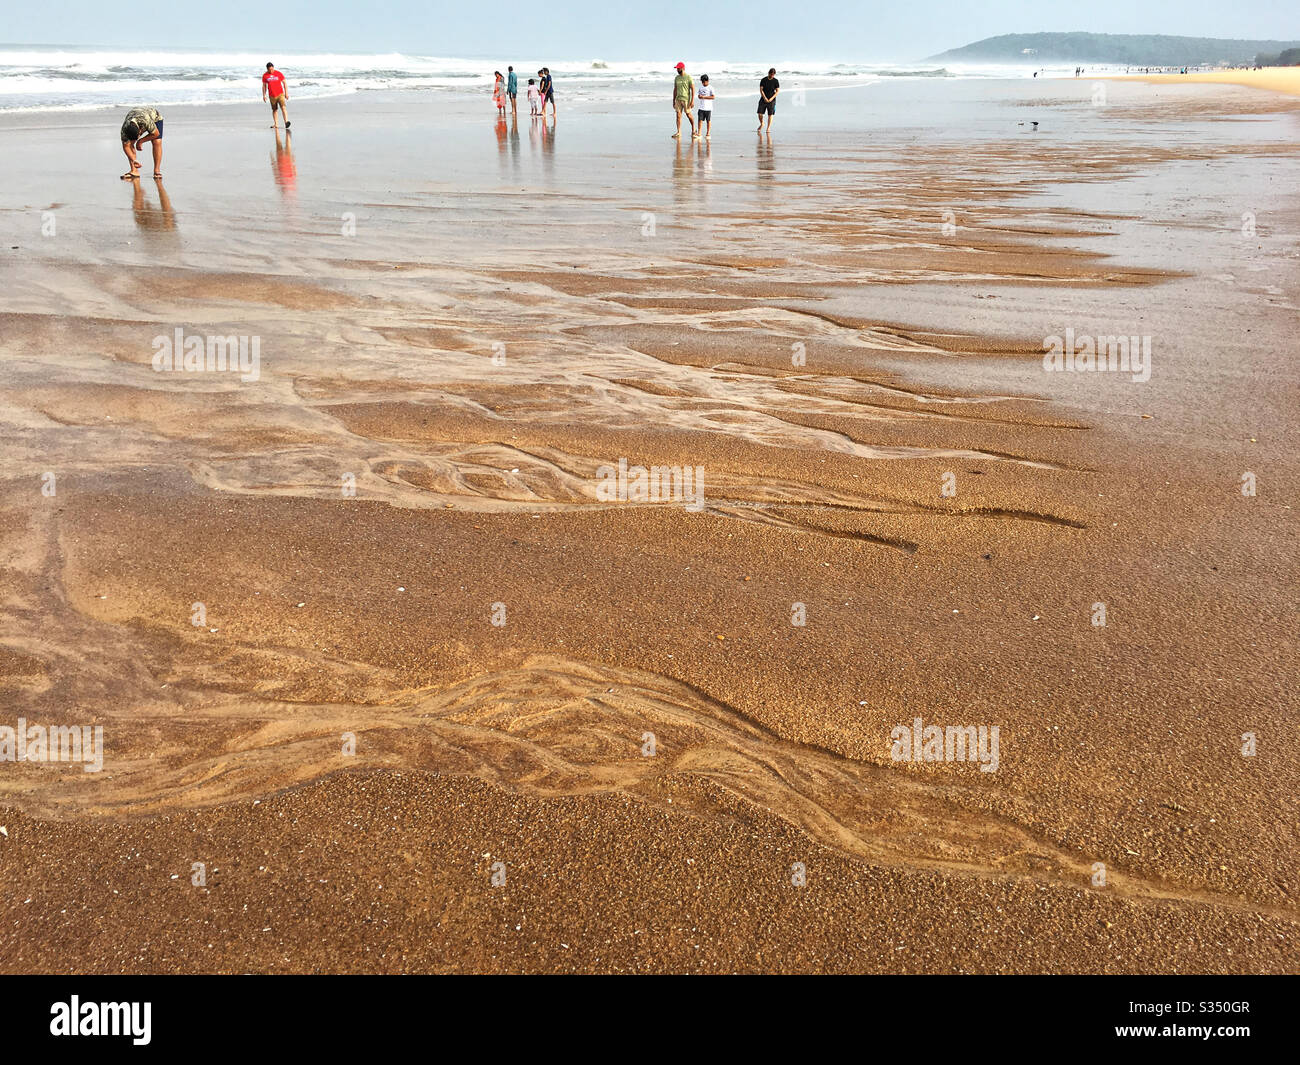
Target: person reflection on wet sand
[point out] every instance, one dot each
(548, 147)
(515, 166)
(766, 160)
(154, 219)
(283, 168)
(683, 171)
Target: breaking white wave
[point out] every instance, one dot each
(34, 78)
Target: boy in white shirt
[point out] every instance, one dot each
(533, 96)
(704, 100)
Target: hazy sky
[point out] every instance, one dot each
(621, 29)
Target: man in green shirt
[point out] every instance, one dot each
(684, 99)
(142, 125)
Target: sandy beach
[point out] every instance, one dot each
(448, 707)
(1271, 79)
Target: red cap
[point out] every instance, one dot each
(681, 66)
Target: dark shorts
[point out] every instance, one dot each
(551, 95)
(765, 108)
(704, 116)
(159, 124)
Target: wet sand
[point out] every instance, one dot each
(469, 322)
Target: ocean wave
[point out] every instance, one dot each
(34, 78)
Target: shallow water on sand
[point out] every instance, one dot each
(431, 178)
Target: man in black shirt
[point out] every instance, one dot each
(767, 90)
(547, 89)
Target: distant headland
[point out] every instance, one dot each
(1123, 48)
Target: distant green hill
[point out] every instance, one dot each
(1124, 48)
(1289, 58)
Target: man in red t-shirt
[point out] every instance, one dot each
(273, 85)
